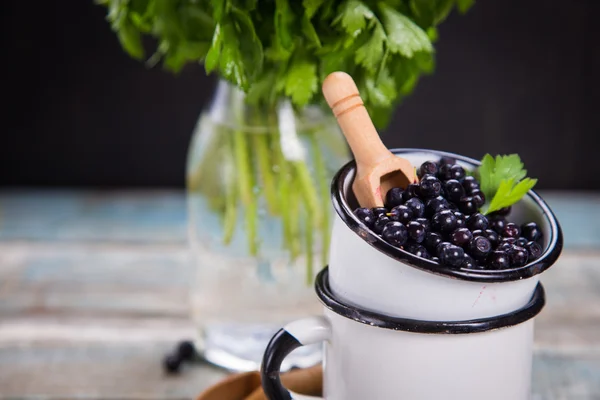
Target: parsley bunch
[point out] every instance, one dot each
(284, 48)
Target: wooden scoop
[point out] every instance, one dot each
(378, 170)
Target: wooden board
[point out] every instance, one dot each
(93, 293)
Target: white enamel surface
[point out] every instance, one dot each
(365, 362)
(309, 330)
(363, 276)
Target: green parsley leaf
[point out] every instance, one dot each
(353, 17)
(508, 194)
(284, 17)
(130, 39)
(502, 182)
(301, 81)
(370, 54)
(382, 91)
(404, 36)
(309, 31)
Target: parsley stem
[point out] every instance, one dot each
(321, 175)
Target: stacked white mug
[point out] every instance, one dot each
(397, 326)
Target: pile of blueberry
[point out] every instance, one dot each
(439, 219)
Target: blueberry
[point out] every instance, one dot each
(427, 168)
(478, 198)
(457, 172)
(425, 223)
(479, 247)
(435, 205)
(451, 256)
(461, 237)
(172, 363)
(468, 262)
(430, 186)
(401, 213)
(534, 250)
(497, 224)
(411, 191)
(499, 260)
(443, 221)
(466, 205)
(492, 236)
(365, 215)
(504, 246)
(394, 197)
(453, 190)
(518, 256)
(431, 241)
(461, 220)
(531, 232)
(470, 185)
(417, 207)
(444, 172)
(477, 221)
(417, 250)
(416, 231)
(395, 233)
(447, 160)
(511, 230)
(521, 242)
(186, 350)
(379, 211)
(503, 212)
(441, 246)
(381, 222)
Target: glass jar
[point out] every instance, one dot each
(259, 214)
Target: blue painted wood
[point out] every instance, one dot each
(161, 216)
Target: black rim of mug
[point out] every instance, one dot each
(329, 300)
(546, 260)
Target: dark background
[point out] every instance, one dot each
(512, 76)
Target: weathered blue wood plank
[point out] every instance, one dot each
(161, 216)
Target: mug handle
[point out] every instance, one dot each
(296, 334)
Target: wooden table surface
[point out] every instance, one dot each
(93, 293)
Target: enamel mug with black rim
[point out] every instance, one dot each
(373, 356)
(368, 275)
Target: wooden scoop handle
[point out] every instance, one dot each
(343, 98)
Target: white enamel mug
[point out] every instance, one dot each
(375, 356)
(366, 271)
